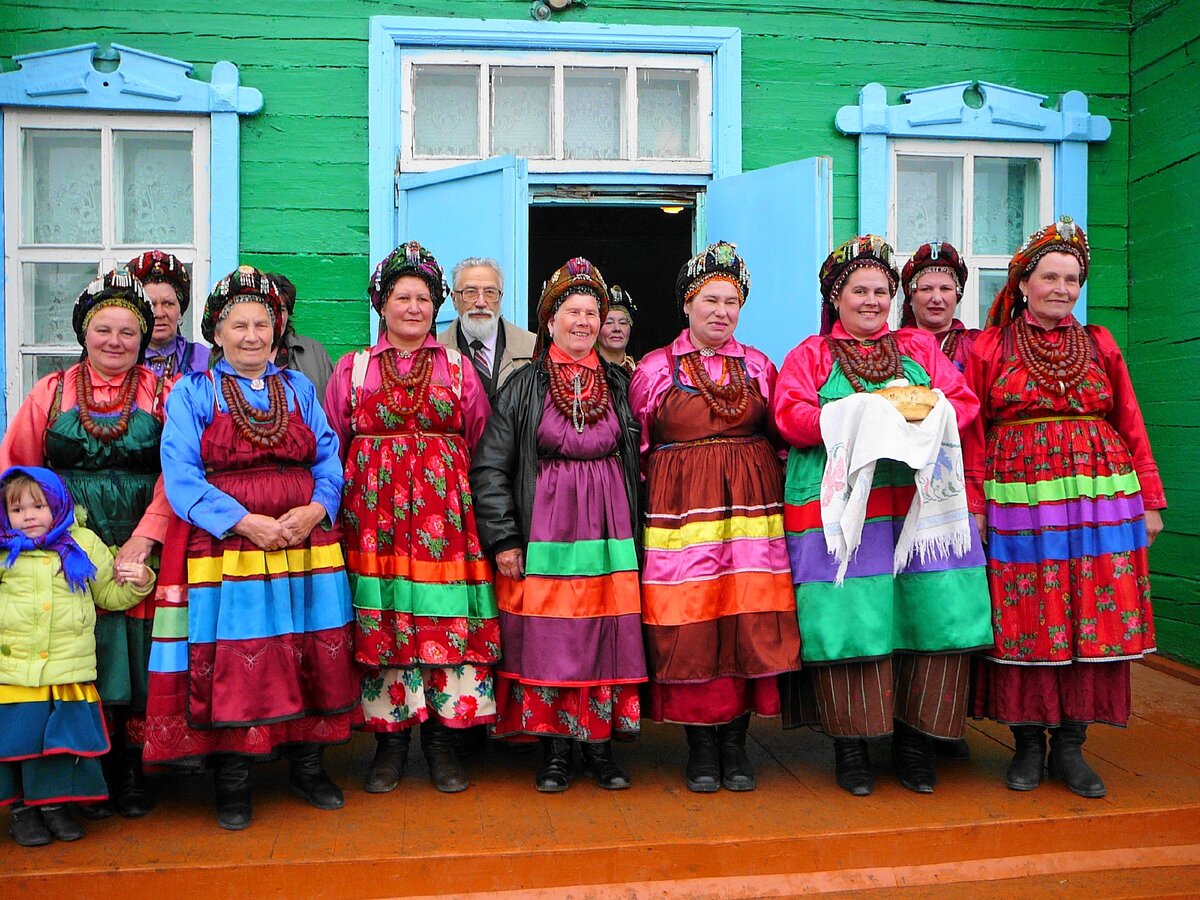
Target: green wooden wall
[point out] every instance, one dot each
(304, 158)
(1164, 339)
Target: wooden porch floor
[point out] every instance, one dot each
(797, 834)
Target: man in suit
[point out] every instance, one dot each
(496, 347)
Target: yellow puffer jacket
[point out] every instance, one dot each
(48, 631)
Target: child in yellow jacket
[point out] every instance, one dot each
(53, 575)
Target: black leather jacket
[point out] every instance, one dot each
(504, 465)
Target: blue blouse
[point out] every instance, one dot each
(190, 411)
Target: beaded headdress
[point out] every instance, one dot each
(862, 252)
(576, 276)
(1063, 236)
(719, 260)
(115, 288)
(156, 266)
(618, 298)
(936, 256)
(408, 259)
(245, 284)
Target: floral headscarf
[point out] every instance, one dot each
(862, 252)
(156, 266)
(1063, 236)
(716, 261)
(936, 256)
(244, 285)
(116, 288)
(408, 259)
(576, 276)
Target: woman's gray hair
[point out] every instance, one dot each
(471, 262)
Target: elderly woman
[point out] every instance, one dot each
(556, 486)
(890, 585)
(1067, 495)
(168, 287)
(98, 425)
(409, 412)
(933, 283)
(618, 325)
(718, 606)
(252, 650)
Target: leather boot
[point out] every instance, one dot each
(61, 823)
(231, 779)
(703, 770)
(391, 759)
(952, 748)
(112, 776)
(445, 771)
(27, 827)
(852, 766)
(555, 774)
(598, 763)
(308, 778)
(1067, 762)
(737, 774)
(1029, 759)
(912, 757)
(132, 794)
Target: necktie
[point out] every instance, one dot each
(479, 357)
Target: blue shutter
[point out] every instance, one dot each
(781, 220)
(477, 209)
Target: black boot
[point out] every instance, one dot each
(231, 778)
(1029, 759)
(132, 794)
(308, 778)
(952, 748)
(61, 823)
(737, 774)
(598, 763)
(703, 770)
(852, 766)
(112, 777)
(27, 827)
(555, 774)
(445, 771)
(1067, 762)
(912, 757)
(391, 759)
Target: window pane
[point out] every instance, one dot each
(928, 201)
(446, 111)
(990, 282)
(522, 101)
(61, 186)
(593, 113)
(35, 366)
(666, 100)
(1006, 203)
(153, 187)
(50, 290)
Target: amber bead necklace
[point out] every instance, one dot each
(105, 432)
(581, 397)
(728, 399)
(1058, 365)
(879, 364)
(415, 383)
(262, 428)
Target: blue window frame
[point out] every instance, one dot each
(133, 81)
(944, 113)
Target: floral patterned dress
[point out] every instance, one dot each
(425, 613)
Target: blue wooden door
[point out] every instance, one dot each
(781, 220)
(477, 209)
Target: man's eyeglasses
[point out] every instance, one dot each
(489, 294)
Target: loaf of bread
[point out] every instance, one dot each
(913, 401)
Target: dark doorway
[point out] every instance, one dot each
(641, 248)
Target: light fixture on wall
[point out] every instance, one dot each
(544, 9)
(672, 210)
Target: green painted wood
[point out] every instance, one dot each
(1164, 194)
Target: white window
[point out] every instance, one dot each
(86, 192)
(985, 198)
(563, 111)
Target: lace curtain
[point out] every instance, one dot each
(62, 187)
(593, 106)
(666, 114)
(446, 111)
(522, 100)
(50, 290)
(1005, 203)
(153, 187)
(928, 204)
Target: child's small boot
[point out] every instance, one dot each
(27, 827)
(61, 823)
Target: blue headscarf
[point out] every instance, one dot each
(76, 566)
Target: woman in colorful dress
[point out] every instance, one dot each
(168, 288)
(933, 282)
(718, 606)
(556, 490)
(252, 635)
(616, 329)
(892, 597)
(409, 413)
(98, 425)
(1067, 494)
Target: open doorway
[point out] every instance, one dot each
(641, 248)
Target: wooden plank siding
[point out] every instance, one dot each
(1164, 340)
